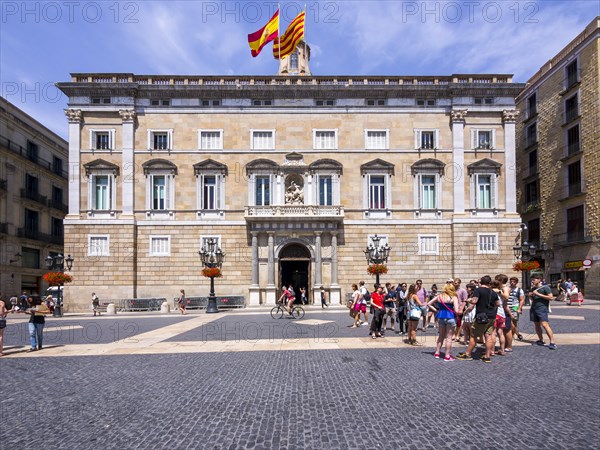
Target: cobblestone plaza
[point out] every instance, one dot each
(243, 380)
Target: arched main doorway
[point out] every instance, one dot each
(294, 267)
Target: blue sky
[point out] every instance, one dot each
(43, 42)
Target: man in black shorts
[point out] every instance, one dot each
(538, 314)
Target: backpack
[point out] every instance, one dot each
(367, 295)
(7, 304)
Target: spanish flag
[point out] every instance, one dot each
(260, 38)
(286, 44)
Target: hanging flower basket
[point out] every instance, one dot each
(525, 266)
(57, 278)
(375, 269)
(212, 272)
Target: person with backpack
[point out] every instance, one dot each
(365, 297)
(401, 294)
(95, 304)
(486, 306)
(445, 306)
(37, 310)
(516, 300)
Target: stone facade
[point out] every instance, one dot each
(165, 161)
(33, 200)
(560, 161)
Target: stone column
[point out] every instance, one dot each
(458, 159)
(334, 290)
(509, 117)
(128, 179)
(271, 288)
(74, 117)
(254, 299)
(318, 269)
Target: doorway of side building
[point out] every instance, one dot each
(294, 267)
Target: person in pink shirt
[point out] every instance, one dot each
(422, 295)
(462, 295)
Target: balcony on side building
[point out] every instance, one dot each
(576, 236)
(36, 235)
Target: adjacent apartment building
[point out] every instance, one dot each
(293, 174)
(558, 140)
(33, 199)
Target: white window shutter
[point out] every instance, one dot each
(473, 195)
(493, 189)
(437, 139)
(493, 138)
(473, 139)
(417, 139)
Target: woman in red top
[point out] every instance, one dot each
(377, 303)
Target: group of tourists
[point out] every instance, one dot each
(485, 311)
(37, 310)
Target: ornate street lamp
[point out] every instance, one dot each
(212, 260)
(376, 254)
(57, 263)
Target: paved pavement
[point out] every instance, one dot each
(243, 380)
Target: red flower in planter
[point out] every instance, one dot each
(212, 272)
(525, 266)
(57, 278)
(374, 269)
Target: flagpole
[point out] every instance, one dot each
(278, 35)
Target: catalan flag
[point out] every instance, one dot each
(286, 44)
(260, 38)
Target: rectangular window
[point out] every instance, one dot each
(573, 140)
(165, 102)
(429, 244)
(98, 245)
(263, 140)
(57, 197)
(574, 178)
(57, 227)
(484, 139)
(160, 141)
(484, 191)
(102, 140)
(425, 102)
(325, 190)
(428, 192)
(533, 162)
(532, 105)
(487, 243)
(571, 74)
(571, 108)
(427, 140)
(533, 231)
(329, 102)
(531, 134)
(210, 102)
(575, 224)
(211, 140)
(531, 193)
(32, 221)
(30, 258)
(263, 191)
(325, 140)
(160, 245)
(57, 165)
(375, 102)
(102, 193)
(209, 192)
(100, 100)
(376, 139)
(32, 151)
(159, 188)
(377, 192)
(31, 185)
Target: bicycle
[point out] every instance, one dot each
(278, 311)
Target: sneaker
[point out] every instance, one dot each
(449, 358)
(436, 355)
(552, 346)
(33, 349)
(541, 343)
(464, 357)
(486, 360)
(364, 324)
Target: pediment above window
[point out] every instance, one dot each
(262, 164)
(211, 166)
(428, 165)
(326, 164)
(100, 165)
(377, 165)
(159, 165)
(485, 165)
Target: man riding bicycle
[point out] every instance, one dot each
(287, 293)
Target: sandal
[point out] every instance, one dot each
(520, 336)
(374, 337)
(499, 353)
(507, 350)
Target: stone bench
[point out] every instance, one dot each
(225, 301)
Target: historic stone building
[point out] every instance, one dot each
(292, 174)
(33, 197)
(558, 140)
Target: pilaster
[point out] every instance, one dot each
(509, 117)
(458, 158)
(74, 117)
(128, 178)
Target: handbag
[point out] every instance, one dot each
(415, 313)
(482, 318)
(2, 323)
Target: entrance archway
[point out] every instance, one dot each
(294, 267)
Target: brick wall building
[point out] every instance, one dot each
(558, 156)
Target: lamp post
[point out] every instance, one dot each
(527, 251)
(58, 263)
(212, 258)
(376, 254)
